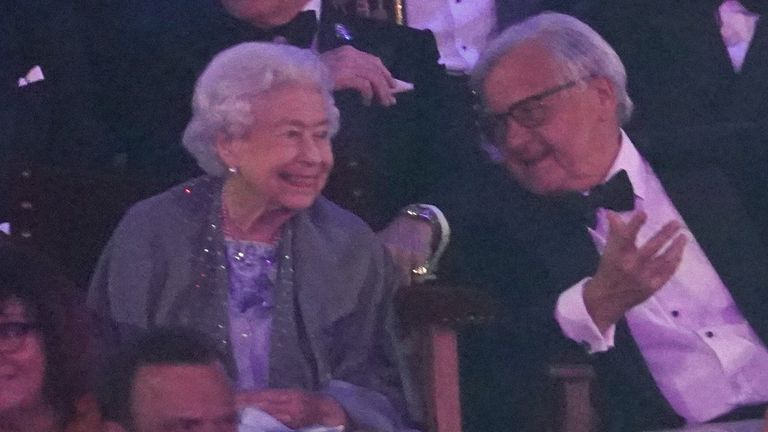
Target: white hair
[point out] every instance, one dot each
(577, 48)
(235, 81)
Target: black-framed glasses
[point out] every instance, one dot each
(13, 334)
(529, 113)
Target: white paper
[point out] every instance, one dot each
(253, 419)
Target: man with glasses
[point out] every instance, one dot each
(589, 247)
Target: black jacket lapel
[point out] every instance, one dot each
(717, 219)
(561, 241)
(752, 83)
(692, 36)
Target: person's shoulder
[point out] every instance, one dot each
(181, 203)
(327, 215)
(374, 32)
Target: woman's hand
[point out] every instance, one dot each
(296, 408)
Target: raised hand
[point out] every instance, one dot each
(358, 70)
(628, 274)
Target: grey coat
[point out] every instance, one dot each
(333, 329)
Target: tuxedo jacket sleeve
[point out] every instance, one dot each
(389, 157)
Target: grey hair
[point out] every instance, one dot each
(577, 48)
(235, 81)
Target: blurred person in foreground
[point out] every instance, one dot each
(168, 380)
(296, 290)
(45, 348)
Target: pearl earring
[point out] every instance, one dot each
(232, 170)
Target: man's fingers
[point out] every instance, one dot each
(623, 234)
(674, 253)
(665, 265)
(635, 223)
(382, 90)
(404, 263)
(354, 69)
(413, 261)
(363, 86)
(408, 241)
(360, 60)
(662, 237)
(377, 78)
(383, 71)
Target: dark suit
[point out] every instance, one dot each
(526, 250)
(50, 142)
(685, 89)
(680, 74)
(386, 157)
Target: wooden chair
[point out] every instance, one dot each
(383, 10)
(433, 312)
(570, 398)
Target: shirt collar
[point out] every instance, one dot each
(630, 160)
(314, 5)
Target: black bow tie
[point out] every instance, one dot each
(300, 31)
(615, 194)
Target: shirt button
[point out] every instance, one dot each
(675, 313)
(709, 334)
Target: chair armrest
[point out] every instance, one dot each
(571, 402)
(431, 312)
(440, 303)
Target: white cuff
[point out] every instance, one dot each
(445, 237)
(575, 322)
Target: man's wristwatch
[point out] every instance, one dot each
(440, 235)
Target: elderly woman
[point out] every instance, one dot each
(45, 348)
(295, 289)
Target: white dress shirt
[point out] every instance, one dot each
(461, 28)
(314, 5)
(703, 355)
(737, 27)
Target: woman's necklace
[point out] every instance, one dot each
(232, 231)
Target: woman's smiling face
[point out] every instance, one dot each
(286, 157)
(22, 359)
